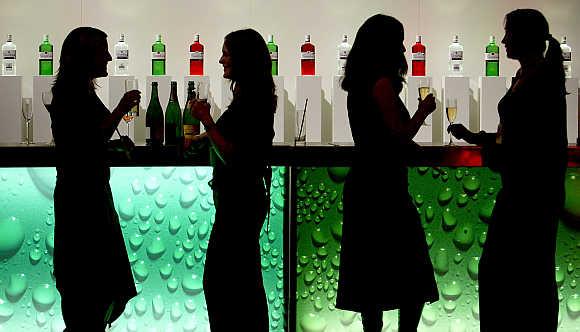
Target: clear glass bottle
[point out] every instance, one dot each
(45, 57)
(121, 56)
(456, 57)
(492, 58)
(9, 57)
(307, 58)
(273, 49)
(158, 56)
(343, 50)
(567, 54)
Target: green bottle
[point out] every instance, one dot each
(158, 57)
(154, 120)
(45, 57)
(173, 127)
(273, 48)
(492, 58)
(190, 123)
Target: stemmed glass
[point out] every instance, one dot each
(47, 102)
(27, 115)
(130, 85)
(451, 111)
(424, 91)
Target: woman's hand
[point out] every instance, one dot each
(130, 99)
(200, 110)
(460, 132)
(427, 105)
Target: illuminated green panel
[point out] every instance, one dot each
(452, 208)
(166, 214)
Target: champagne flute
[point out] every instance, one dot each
(451, 111)
(202, 91)
(27, 115)
(47, 102)
(424, 91)
(130, 85)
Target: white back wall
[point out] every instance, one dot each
(289, 21)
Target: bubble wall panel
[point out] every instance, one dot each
(454, 204)
(166, 214)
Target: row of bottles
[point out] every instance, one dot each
(418, 58)
(307, 57)
(176, 128)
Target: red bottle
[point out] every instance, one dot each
(307, 58)
(196, 57)
(418, 58)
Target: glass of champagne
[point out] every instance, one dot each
(47, 102)
(202, 90)
(424, 91)
(451, 111)
(130, 85)
(27, 115)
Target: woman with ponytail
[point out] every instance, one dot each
(529, 152)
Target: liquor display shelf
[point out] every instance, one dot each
(309, 154)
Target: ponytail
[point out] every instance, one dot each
(555, 61)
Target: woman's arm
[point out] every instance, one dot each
(222, 147)
(111, 121)
(386, 99)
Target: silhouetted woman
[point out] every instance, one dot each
(91, 266)
(384, 261)
(241, 142)
(529, 151)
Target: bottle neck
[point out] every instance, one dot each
(173, 95)
(154, 94)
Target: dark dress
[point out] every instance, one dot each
(91, 265)
(233, 286)
(384, 259)
(521, 240)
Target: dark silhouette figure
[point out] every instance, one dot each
(384, 261)
(529, 152)
(91, 266)
(241, 142)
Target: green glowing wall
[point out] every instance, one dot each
(165, 210)
(453, 207)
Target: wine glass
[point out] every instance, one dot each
(27, 115)
(300, 118)
(424, 91)
(202, 91)
(130, 85)
(47, 102)
(451, 111)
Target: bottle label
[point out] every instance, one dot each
(308, 55)
(121, 66)
(491, 56)
(456, 67)
(122, 54)
(198, 55)
(343, 54)
(45, 55)
(418, 56)
(158, 55)
(456, 55)
(274, 56)
(9, 54)
(567, 56)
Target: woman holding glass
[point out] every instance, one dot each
(384, 261)
(241, 141)
(91, 265)
(530, 153)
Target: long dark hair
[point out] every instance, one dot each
(530, 31)
(251, 73)
(77, 61)
(376, 52)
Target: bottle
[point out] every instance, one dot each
(455, 57)
(191, 125)
(492, 58)
(154, 120)
(307, 59)
(158, 57)
(9, 57)
(196, 57)
(173, 126)
(418, 58)
(121, 56)
(45, 57)
(343, 50)
(567, 54)
(273, 49)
